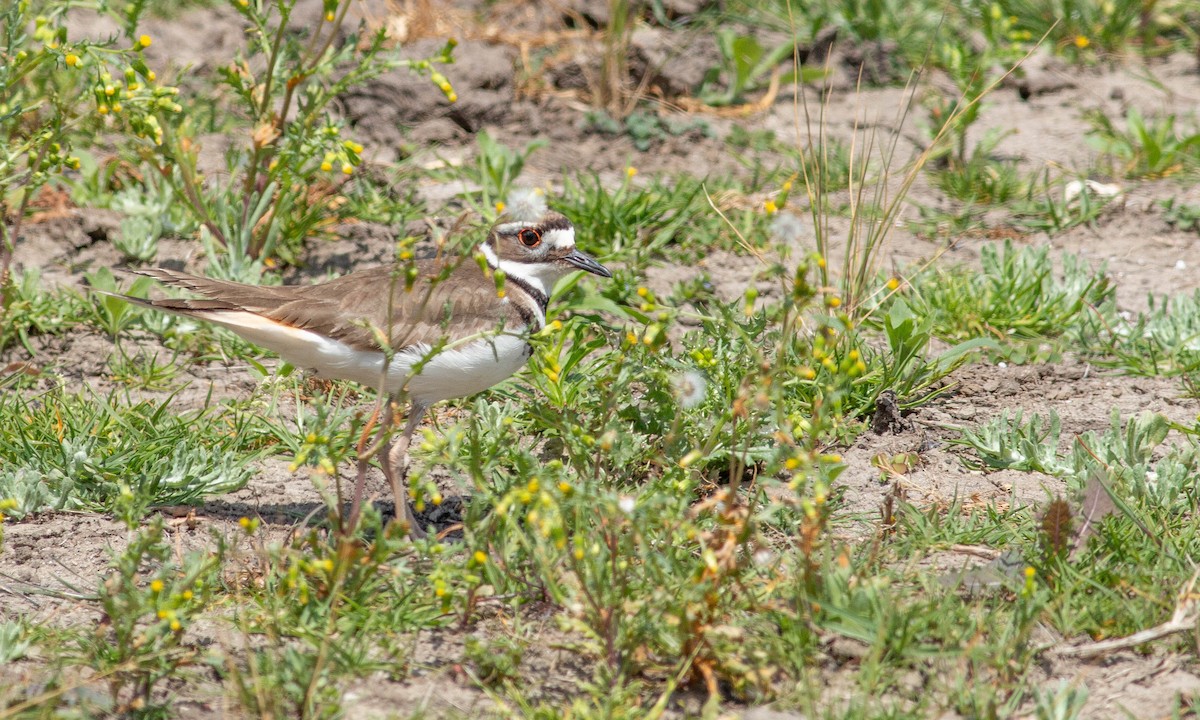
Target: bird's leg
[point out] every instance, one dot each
(394, 459)
(361, 482)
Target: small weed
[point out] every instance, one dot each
(496, 660)
(1047, 207)
(633, 222)
(140, 640)
(1181, 216)
(1163, 340)
(1014, 296)
(645, 129)
(28, 310)
(287, 184)
(981, 179)
(746, 66)
(54, 91)
(1012, 443)
(496, 168)
(78, 451)
(112, 314)
(1145, 148)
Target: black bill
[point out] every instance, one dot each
(585, 262)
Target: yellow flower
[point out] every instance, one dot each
(1081, 42)
(156, 586)
(329, 16)
(144, 41)
(326, 166)
(630, 171)
(893, 284)
(834, 302)
(347, 168)
(480, 557)
(770, 207)
(500, 206)
(176, 626)
(71, 59)
(186, 595)
(102, 109)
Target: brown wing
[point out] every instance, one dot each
(348, 307)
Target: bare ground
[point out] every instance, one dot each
(49, 558)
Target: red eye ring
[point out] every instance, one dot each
(529, 237)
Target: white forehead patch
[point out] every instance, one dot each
(560, 239)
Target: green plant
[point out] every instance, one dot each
(978, 178)
(634, 222)
(496, 167)
(283, 184)
(496, 660)
(109, 312)
(1182, 216)
(79, 451)
(54, 90)
(14, 639)
(1014, 296)
(1145, 148)
(140, 640)
(29, 310)
(148, 212)
(645, 128)
(1087, 29)
(1013, 443)
(1163, 340)
(745, 66)
(1048, 207)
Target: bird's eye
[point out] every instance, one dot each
(529, 237)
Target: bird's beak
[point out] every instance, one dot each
(586, 262)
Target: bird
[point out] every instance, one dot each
(428, 330)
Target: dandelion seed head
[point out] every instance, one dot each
(627, 503)
(787, 227)
(690, 388)
(525, 203)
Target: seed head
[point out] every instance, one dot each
(690, 388)
(526, 203)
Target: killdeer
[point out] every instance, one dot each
(454, 329)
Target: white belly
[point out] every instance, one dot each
(452, 372)
(460, 371)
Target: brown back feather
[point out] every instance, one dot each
(346, 308)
